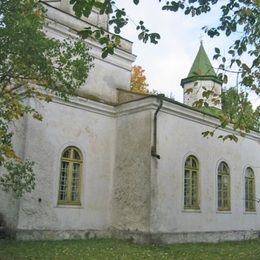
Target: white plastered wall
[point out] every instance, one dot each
(131, 185)
(180, 136)
(193, 91)
(108, 74)
(64, 125)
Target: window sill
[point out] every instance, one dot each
(224, 212)
(191, 211)
(69, 206)
(250, 213)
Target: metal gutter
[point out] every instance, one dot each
(154, 147)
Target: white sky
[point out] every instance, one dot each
(169, 61)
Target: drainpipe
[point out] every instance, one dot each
(154, 147)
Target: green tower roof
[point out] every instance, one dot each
(201, 68)
(201, 65)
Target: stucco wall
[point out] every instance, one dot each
(9, 209)
(123, 187)
(108, 74)
(179, 133)
(131, 186)
(64, 125)
(105, 78)
(94, 18)
(193, 91)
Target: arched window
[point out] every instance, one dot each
(70, 176)
(223, 187)
(191, 183)
(249, 190)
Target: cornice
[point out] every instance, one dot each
(178, 110)
(58, 22)
(87, 105)
(202, 78)
(120, 58)
(150, 104)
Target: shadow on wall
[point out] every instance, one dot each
(5, 233)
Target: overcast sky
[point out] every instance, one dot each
(170, 60)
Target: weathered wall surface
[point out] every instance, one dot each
(193, 91)
(70, 124)
(108, 74)
(124, 189)
(9, 209)
(94, 18)
(105, 78)
(131, 185)
(180, 136)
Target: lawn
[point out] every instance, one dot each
(113, 249)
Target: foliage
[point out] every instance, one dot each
(138, 80)
(19, 178)
(239, 109)
(236, 109)
(239, 19)
(115, 249)
(118, 19)
(257, 122)
(28, 59)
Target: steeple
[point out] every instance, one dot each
(201, 77)
(201, 65)
(201, 68)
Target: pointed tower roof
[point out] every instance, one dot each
(201, 68)
(201, 65)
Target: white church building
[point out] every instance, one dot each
(112, 163)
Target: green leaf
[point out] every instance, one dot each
(141, 36)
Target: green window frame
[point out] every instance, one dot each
(191, 183)
(223, 187)
(249, 190)
(70, 177)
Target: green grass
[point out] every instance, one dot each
(113, 249)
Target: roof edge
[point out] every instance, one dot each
(195, 78)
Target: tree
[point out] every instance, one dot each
(31, 66)
(241, 19)
(138, 80)
(237, 113)
(237, 110)
(257, 122)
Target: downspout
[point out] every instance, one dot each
(154, 147)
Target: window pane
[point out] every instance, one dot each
(63, 181)
(219, 191)
(194, 163)
(194, 188)
(76, 155)
(223, 187)
(249, 190)
(70, 176)
(191, 183)
(66, 154)
(75, 182)
(187, 189)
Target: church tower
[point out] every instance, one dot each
(94, 18)
(200, 78)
